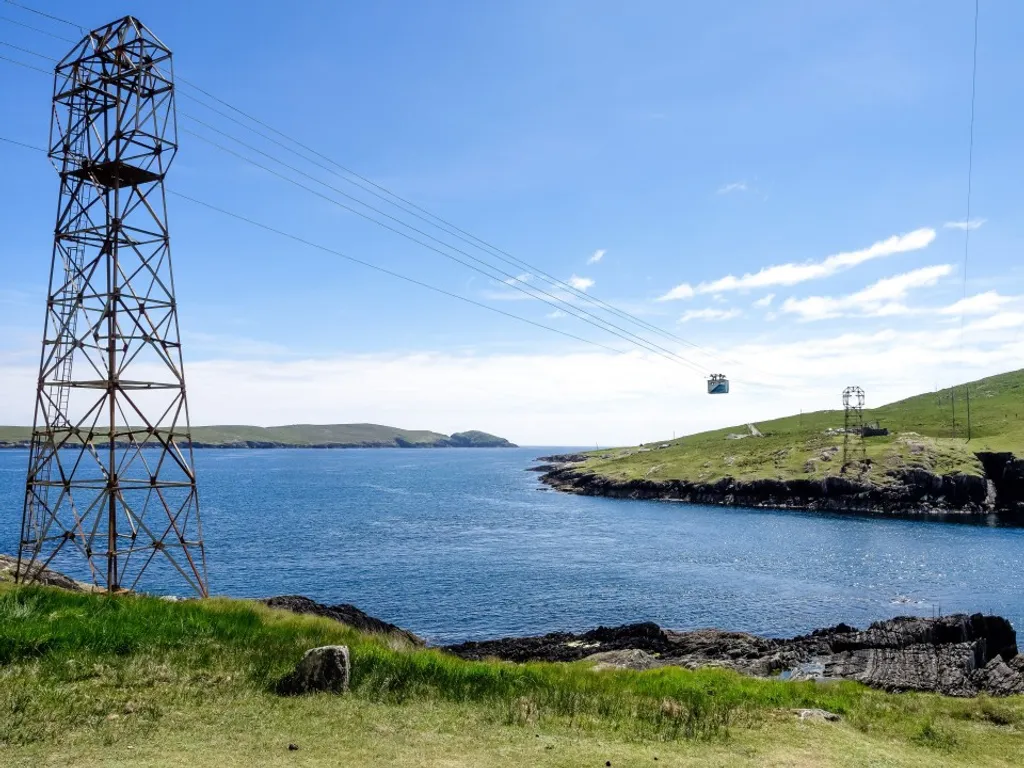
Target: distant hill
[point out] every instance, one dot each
(310, 436)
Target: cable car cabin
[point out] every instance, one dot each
(718, 384)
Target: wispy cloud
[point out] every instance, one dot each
(598, 255)
(580, 283)
(555, 315)
(972, 224)
(735, 186)
(522, 278)
(794, 273)
(681, 291)
(715, 315)
(980, 304)
(765, 301)
(880, 299)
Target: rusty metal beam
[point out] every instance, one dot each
(107, 473)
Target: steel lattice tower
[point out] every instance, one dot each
(853, 423)
(110, 475)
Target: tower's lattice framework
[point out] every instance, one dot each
(110, 477)
(853, 426)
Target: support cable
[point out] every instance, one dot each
(547, 298)
(361, 262)
(967, 223)
(416, 211)
(510, 280)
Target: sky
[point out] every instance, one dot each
(781, 188)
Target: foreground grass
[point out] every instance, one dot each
(923, 435)
(90, 680)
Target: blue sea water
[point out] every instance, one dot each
(464, 544)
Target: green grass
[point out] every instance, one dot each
(921, 430)
(91, 679)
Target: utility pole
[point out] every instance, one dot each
(110, 483)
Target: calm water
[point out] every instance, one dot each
(462, 544)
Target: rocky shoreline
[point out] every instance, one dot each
(912, 491)
(956, 655)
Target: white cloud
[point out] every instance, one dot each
(793, 273)
(972, 224)
(980, 304)
(736, 186)
(580, 283)
(640, 396)
(681, 291)
(598, 255)
(555, 315)
(999, 321)
(765, 301)
(709, 314)
(880, 299)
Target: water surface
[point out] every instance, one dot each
(463, 544)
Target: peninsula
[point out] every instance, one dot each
(309, 436)
(913, 456)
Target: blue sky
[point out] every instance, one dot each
(688, 143)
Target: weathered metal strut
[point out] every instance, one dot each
(110, 482)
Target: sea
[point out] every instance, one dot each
(462, 544)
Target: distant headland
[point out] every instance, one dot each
(307, 436)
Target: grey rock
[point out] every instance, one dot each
(324, 669)
(817, 714)
(632, 658)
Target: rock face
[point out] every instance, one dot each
(956, 655)
(1006, 472)
(326, 669)
(345, 613)
(912, 491)
(9, 564)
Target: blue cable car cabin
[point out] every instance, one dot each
(718, 384)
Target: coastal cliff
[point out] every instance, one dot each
(911, 491)
(908, 490)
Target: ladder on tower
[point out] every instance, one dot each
(68, 301)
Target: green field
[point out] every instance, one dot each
(89, 680)
(921, 429)
(298, 435)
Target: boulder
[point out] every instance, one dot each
(325, 669)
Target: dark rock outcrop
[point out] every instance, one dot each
(956, 655)
(1006, 472)
(343, 612)
(910, 491)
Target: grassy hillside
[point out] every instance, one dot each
(307, 435)
(921, 434)
(92, 680)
